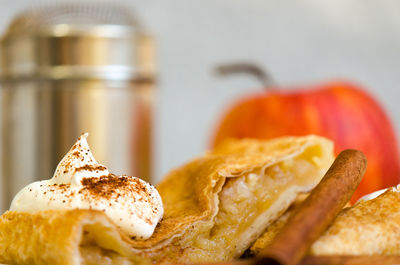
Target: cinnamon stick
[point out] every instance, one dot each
(317, 211)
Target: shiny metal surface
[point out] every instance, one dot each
(59, 80)
(110, 51)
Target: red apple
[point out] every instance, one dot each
(338, 110)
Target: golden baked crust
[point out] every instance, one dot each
(215, 207)
(368, 228)
(55, 237)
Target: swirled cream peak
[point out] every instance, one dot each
(78, 164)
(80, 182)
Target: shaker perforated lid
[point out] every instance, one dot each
(79, 40)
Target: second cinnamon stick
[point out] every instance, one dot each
(317, 211)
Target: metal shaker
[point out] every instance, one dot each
(68, 69)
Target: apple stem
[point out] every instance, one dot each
(247, 68)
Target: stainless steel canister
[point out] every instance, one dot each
(69, 69)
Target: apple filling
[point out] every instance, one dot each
(248, 204)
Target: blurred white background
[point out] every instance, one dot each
(300, 42)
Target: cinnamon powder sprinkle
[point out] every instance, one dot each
(106, 186)
(91, 168)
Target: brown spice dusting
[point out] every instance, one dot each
(113, 187)
(91, 168)
(107, 186)
(63, 187)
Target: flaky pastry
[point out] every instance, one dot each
(214, 208)
(368, 228)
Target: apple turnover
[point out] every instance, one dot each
(370, 227)
(215, 207)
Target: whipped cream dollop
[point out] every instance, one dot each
(79, 182)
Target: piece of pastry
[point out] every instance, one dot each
(214, 208)
(272, 230)
(370, 227)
